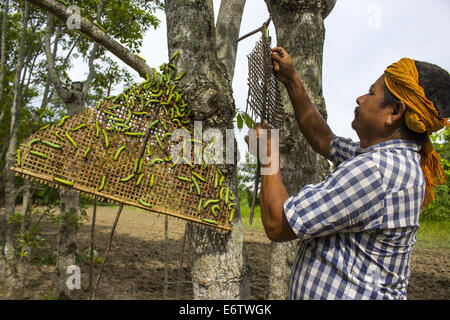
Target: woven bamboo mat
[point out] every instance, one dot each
(123, 150)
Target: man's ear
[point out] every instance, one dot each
(397, 112)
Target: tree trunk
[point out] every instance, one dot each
(300, 30)
(3, 56)
(9, 258)
(219, 268)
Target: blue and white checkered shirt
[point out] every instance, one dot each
(358, 226)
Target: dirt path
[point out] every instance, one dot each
(135, 267)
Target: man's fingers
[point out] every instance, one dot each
(280, 50)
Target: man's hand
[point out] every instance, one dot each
(261, 131)
(283, 66)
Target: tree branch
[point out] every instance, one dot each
(98, 35)
(227, 31)
(63, 93)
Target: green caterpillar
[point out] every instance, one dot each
(231, 216)
(39, 154)
(19, 161)
(152, 180)
(174, 56)
(199, 209)
(210, 201)
(214, 208)
(66, 182)
(61, 122)
(210, 221)
(79, 127)
(59, 136)
(197, 187)
(198, 176)
(45, 127)
(30, 144)
(116, 155)
(71, 140)
(145, 204)
(138, 182)
(86, 152)
(105, 135)
(184, 179)
(134, 134)
(97, 129)
(131, 176)
(180, 76)
(51, 144)
(102, 184)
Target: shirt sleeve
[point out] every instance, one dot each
(342, 149)
(351, 199)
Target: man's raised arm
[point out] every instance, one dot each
(310, 121)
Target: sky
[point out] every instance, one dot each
(362, 38)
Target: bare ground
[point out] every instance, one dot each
(135, 267)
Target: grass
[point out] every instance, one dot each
(245, 215)
(434, 234)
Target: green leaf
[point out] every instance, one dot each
(248, 121)
(240, 121)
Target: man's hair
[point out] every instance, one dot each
(436, 83)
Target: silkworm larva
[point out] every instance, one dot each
(140, 57)
(167, 134)
(105, 135)
(86, 152)
(115, 99)
(169, 158)
(232, 204)
(19, 161)
(154, 123)
(71, 140)
(199, 209)
(102, 184)
(188, 162)
(129, 116)
(145, 204)
(141, 162)
(148, 150)
(198, 176)
(113, 107)
(180, 76)
(214, 208)
(66, 182)
(97, 129)
(210, 221)
(136, 162)
(175, 162)
(39, 154)
(114, 119)
(131, 176)
(59, 136)
(141, 176)
(227, 193)
(231, 216)
(152, 180)
(144, 113)
(159, 141)
(210, 201)
(126, 99)
(190, 188)
(156, 160)
(174, 56)
(231, 195)
(81, 126)
(116, 155)
(51, 144)
(196, 185)
(99, 104)
(135, 133)
(184, 178)
(30, 144)
(216, 180)
(63, 119)
(99, 26)
(45, 127)
(221, 192)
(156, 95)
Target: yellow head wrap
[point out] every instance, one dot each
(402, 80)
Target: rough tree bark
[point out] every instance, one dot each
(219, 264)
(9, 261)
(300, 30)
(3, 55)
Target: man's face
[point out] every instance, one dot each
(369, 121)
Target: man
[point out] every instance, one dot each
(358, 226)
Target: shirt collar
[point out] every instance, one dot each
(391, 144)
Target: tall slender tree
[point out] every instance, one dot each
(300, 30)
